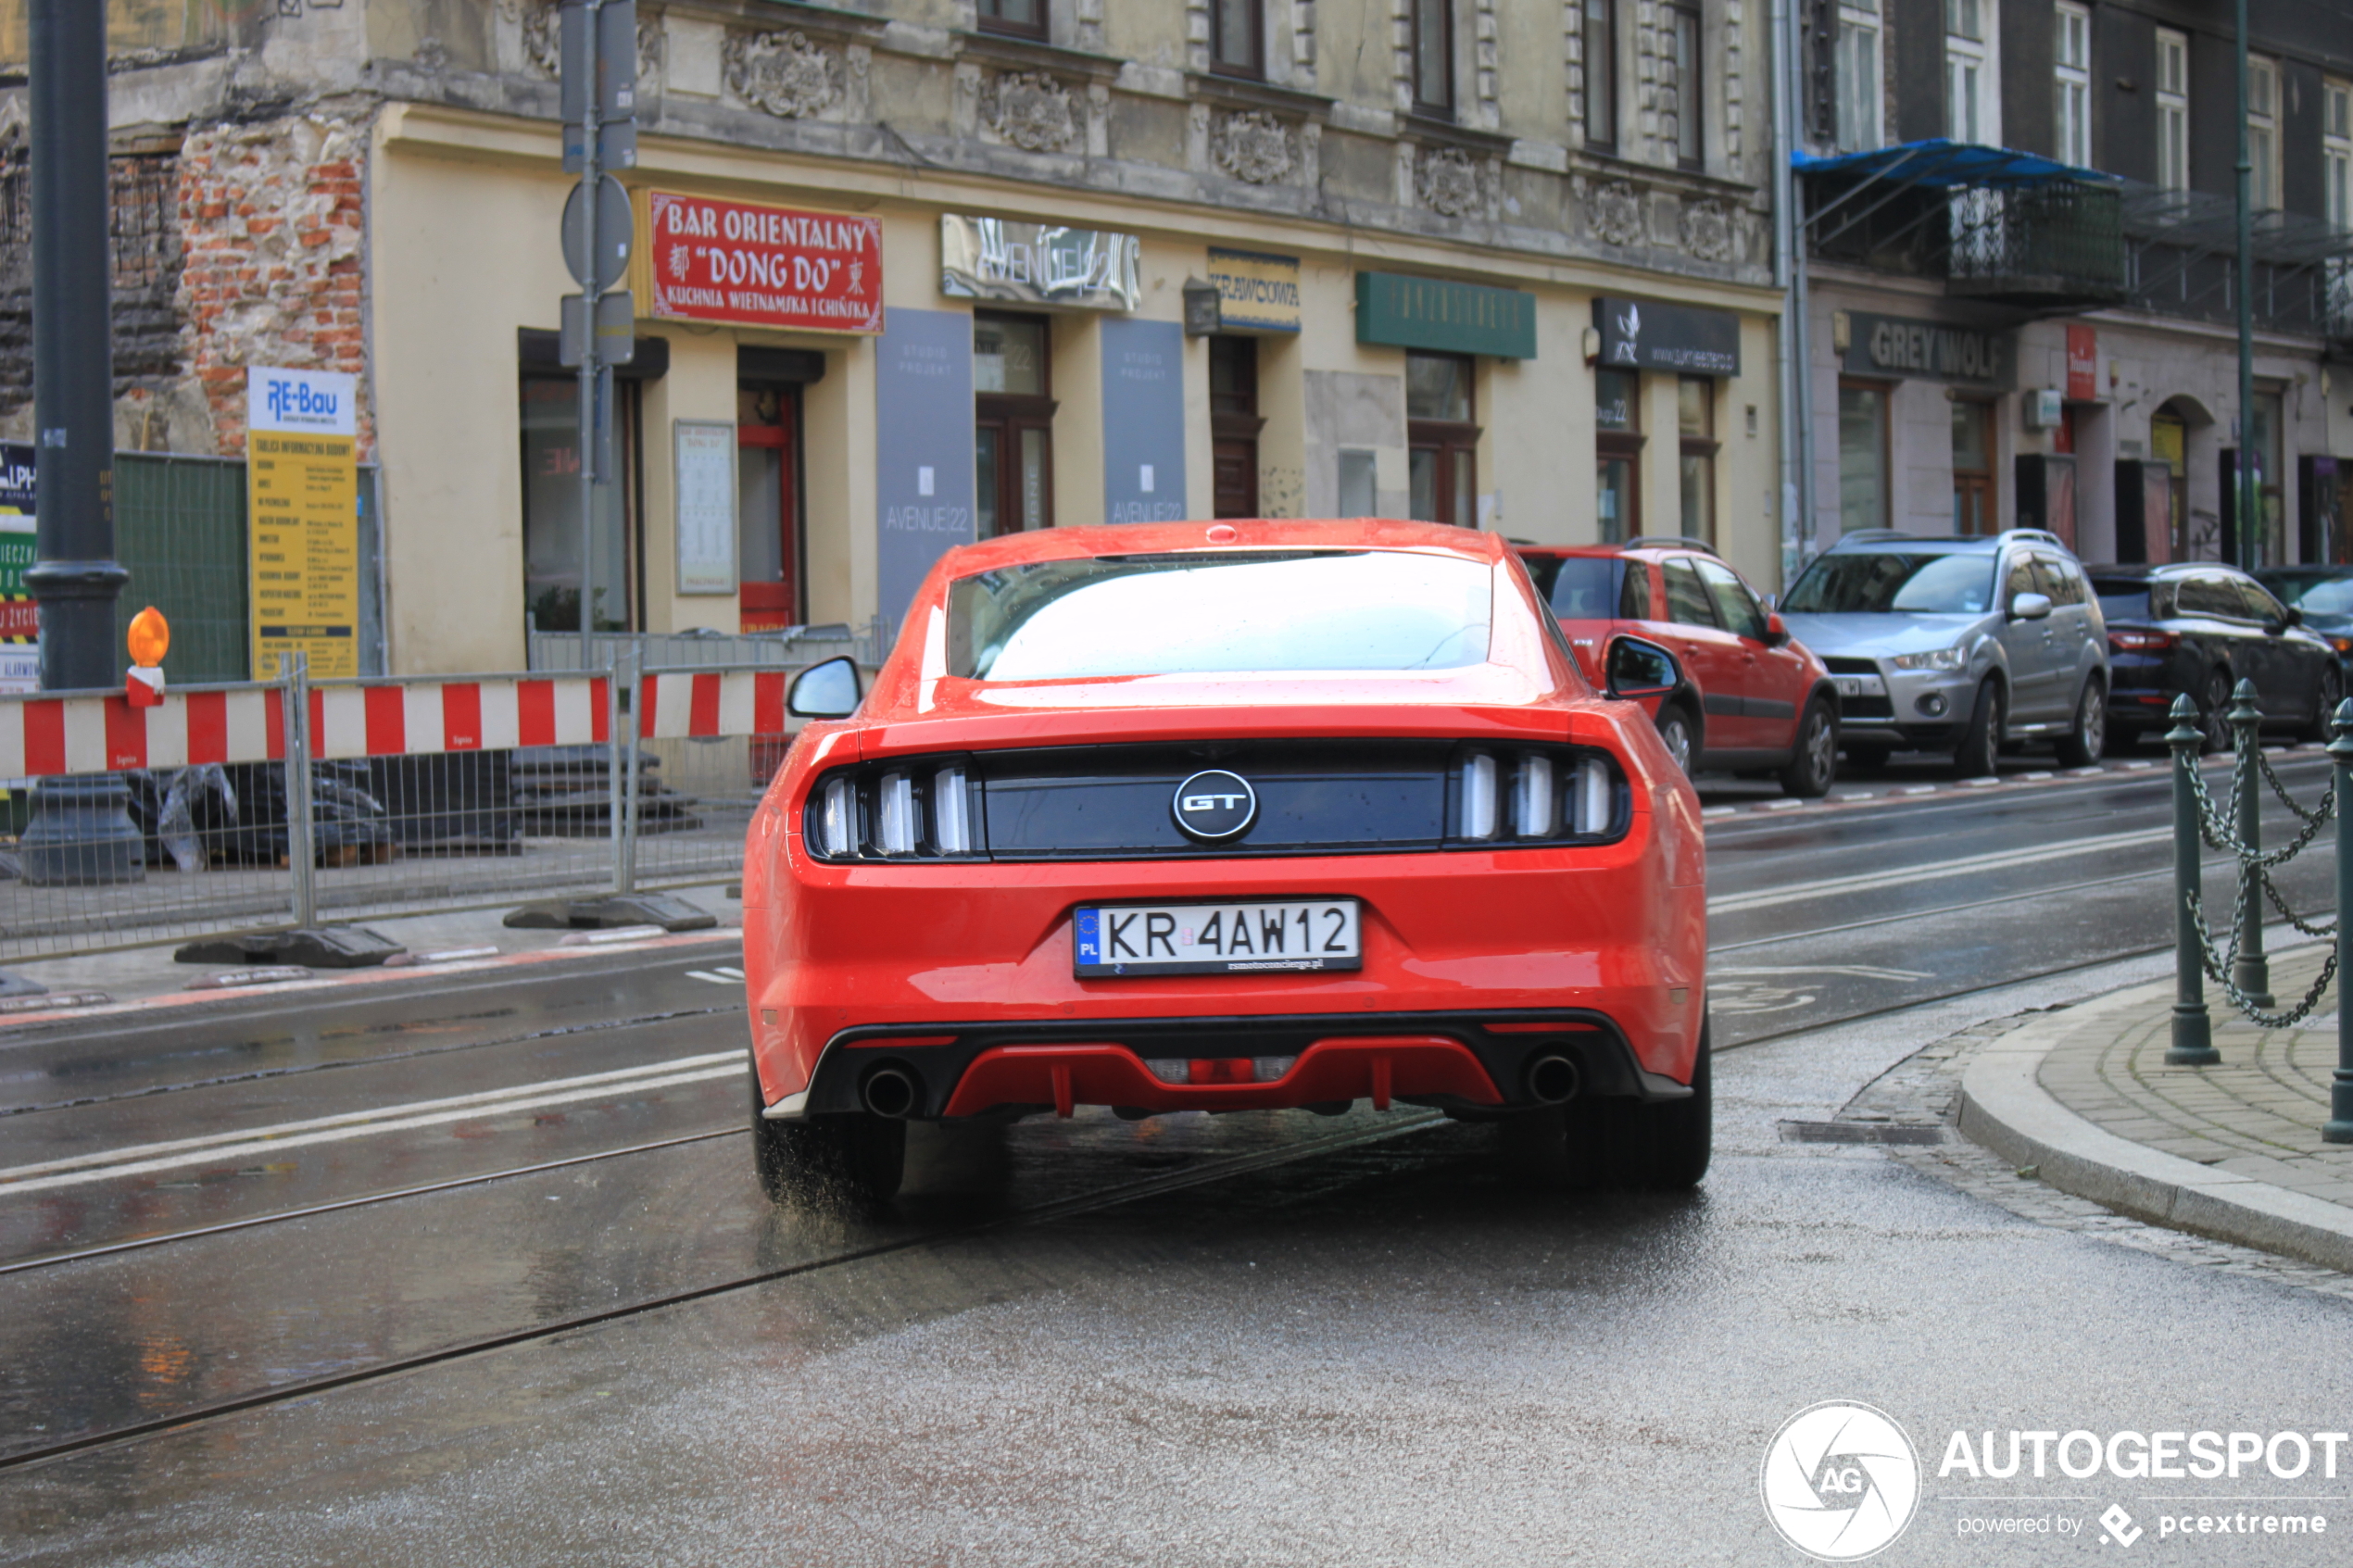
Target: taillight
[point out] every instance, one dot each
(923, 810)
(2132, 640)
(1536, 796)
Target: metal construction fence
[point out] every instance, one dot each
(401, 795)
(2236, 961)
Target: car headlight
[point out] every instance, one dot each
(1943, 659)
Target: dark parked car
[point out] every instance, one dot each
(2200, 628)
(2324, 596)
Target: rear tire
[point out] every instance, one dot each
(1980, 747)
(1813, 765)
(2327, 691)
(1680, 736)
(1592, 1141)
(2213, 705)
(2087, 742)
(849, 1161)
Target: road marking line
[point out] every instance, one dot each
(1997, 861)
(1780, 805)
(2037, 778)
(460, 1105)
(273, 1144)
(1720, 811)
(1917, 789)
(716, 976)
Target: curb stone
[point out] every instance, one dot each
(2004, 1107)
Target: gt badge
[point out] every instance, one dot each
(1214, 805)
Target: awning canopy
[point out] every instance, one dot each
(1946, 165)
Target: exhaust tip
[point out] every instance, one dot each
(1552, 1080)
(891, 1092)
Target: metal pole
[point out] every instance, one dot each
(302, 839)
(1796, 338)
(629, 819)
(2192, 1028)
(2252, 971)
(2338, 1128)
(2249, 498)
(592, 358)
(81, 829)
(616, 722)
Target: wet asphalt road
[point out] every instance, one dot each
(1275, 1339)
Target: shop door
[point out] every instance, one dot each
(1973, 469)
(1234, 424)
(767, 511)
(2169, 445)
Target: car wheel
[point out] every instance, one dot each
(1682, 743)
(1813, 766)
(847, 1161)
(1975, 756)
(1600, 1142)
(1679, 1135)
(2213, 710)
(2327, 692)
(2087, 742)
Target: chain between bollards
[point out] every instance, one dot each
(2338, 1128)
(2251, 971)
(2192, 1025)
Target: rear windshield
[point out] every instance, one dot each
(2320, 596)
(1906, 582)
(1585, 587)
(1203, 613)
(2123, 599)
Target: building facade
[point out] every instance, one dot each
(2049, 340)
(918, 272)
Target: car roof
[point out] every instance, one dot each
(2127, 572)
(1646, 550)
(1218, 535)
(1890, 539)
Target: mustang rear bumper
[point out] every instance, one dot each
(1469, 1063)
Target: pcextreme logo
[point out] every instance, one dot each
(1841, 1481)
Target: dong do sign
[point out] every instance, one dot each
(700, 258)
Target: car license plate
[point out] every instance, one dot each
(1860, 685)
(1297, 935)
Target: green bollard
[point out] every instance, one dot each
(2338, 1128)
(2193, 1029)
(2252, 972)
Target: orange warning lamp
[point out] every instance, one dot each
(150, 639)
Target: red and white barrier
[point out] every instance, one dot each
(707, 703)
(41, 736)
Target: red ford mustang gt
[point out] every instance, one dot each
(1224, 817)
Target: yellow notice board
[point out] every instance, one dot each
(302, 488)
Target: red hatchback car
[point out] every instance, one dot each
(1754, 701)
(1223, 816)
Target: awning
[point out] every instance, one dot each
(1945, 164)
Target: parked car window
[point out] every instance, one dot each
(2260, 605)
(1687, 601)
(1916, 582)
(2316, 596)
(2019, 581)
(2071, 574)
(1201, 613)
(1585, 588)
(2056, 582)
(2207, 595)
(1634, 595)
(1735, 606)
(2122, 599)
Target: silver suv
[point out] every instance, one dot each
(1956, 644)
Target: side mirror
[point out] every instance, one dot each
(1775, 635)
(2031, 607)
(1636, 667)
(2294, 616)
(824, 691)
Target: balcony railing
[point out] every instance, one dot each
(2053, 245)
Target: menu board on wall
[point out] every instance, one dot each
(705, 450)
(302, 485)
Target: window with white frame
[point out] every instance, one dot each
(2173, 111)
(1858, 78)
(2263, 131)
(2337, 151)
(2073, 106)
(1969, 72)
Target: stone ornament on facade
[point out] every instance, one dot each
(543, 38)
(783, 73)
(1447, 183)
(1031, 110)
(1707, 232)
(1253, 146)
(1615, 214)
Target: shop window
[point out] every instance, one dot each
(1689, 85)
(1617, 443)
(1023, 19)
(1862, 456)
(1973, 467)
(1696, 428)
(2263, 131)
(1859, 103)
(1234, 425)
(2270, 492)
(2336, 153)
(1441, 439)
(551, 498)
(2173, 111)
(1601, 75)
(2169, 445)
(1013, 415)
(768, 517)
(1434, 57)
(2071, 103)
(1238, 38)
(1359, 495)
(1969, 70)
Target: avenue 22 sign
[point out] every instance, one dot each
(703, 259)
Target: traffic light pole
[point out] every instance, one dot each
(81, 830)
